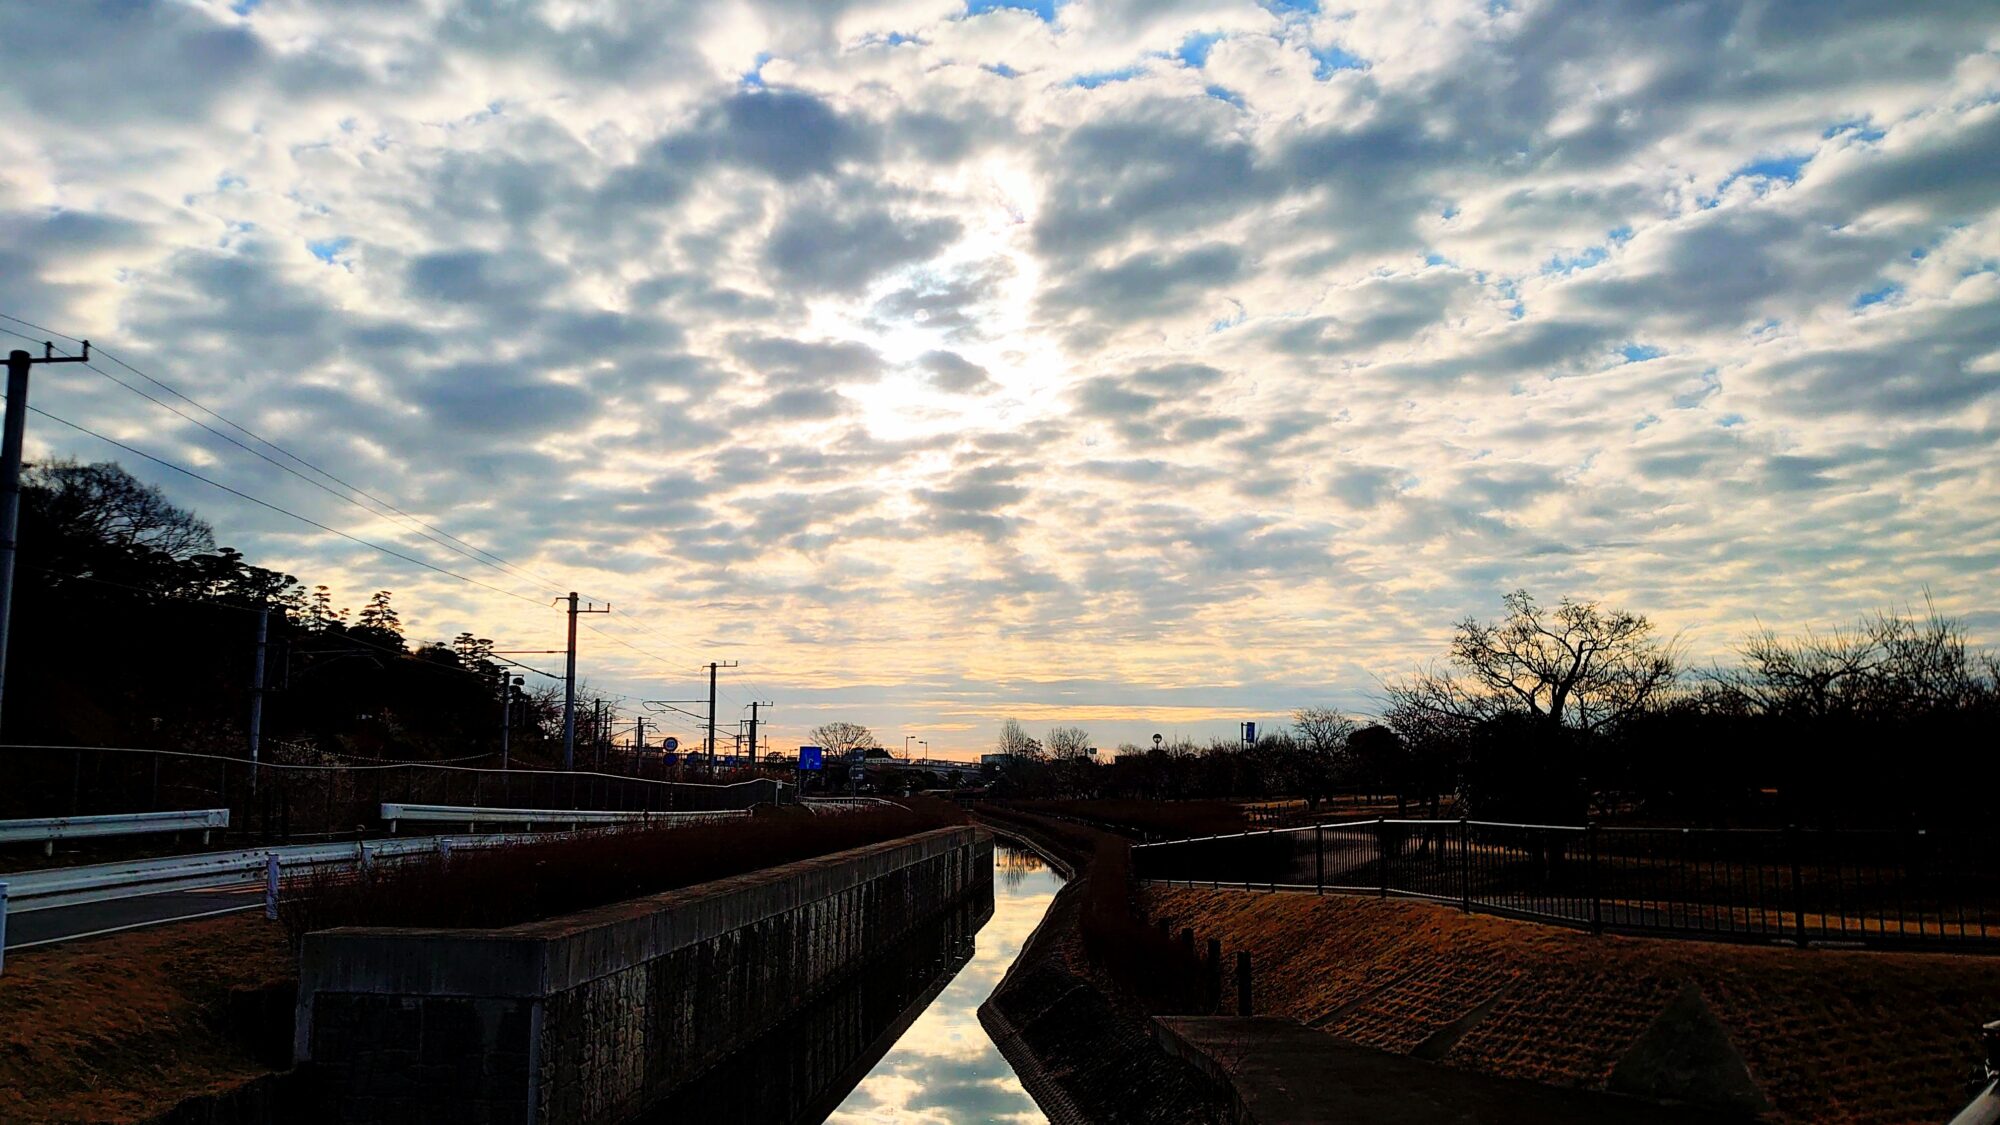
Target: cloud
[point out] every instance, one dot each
(1143, 352)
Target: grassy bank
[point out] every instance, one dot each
(1842, 1038)
(525, 882)
(119, 1027)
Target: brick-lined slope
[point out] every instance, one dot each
(1828, 1037)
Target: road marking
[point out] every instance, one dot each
(137, 925)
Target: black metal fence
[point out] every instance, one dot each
(282, 801)
(1874, 888)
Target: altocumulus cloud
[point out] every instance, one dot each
(1216, 343)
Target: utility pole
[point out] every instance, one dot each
(18, 363)
(639, 736)
(597, 734)
(257, 690)
(508, 686)
(754, 704)
(569, 682)
(712, 666)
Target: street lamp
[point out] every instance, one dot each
(1157, 739)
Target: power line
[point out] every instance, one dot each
(423, 527)
(390, 551)
(482, 555)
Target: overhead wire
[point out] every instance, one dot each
(466, 549)
(423, 528)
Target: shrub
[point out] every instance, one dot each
(502, 886)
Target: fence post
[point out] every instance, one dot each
(3, 926)
(270, 886)
(1319, 859)
(1590, 873)
(1465, 865)
(1798, 886)
(1242, 983)
(1382, 854)
(1214, 973)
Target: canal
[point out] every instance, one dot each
(944, 1068)
(899, 1043)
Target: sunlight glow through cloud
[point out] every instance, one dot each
(897, 350)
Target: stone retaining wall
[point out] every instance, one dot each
(592, 1017)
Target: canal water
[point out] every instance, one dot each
(944, 1069)
(900, 1042)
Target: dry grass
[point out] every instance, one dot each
(1830, 1036)
(119, 1027)
(501, 886)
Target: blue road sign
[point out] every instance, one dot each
(1249, 732)
(671, 744)
(809, 757)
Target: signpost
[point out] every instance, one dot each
(671, 744)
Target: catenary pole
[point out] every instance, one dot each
(569, 681)
(18, 364)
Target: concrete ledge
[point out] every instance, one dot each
(535, 958)
(595, 1015)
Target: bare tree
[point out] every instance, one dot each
(1318, 755)
(1576, 665)
(1014, 740)
(1066, 743)
(104, 503)
(844, 739)
(1883, 667)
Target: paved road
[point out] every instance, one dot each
(69, 923)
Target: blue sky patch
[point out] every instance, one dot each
(326, 248)
(1102, 77)
(1860, 127)
(1284, 6)
(1326, 60)
(1046, 9)
(1564, 266)
(1877, 296)
(1784, 168)
(1003, 70)
(755, 75)
(1224, 94)
(1194, 49)
(1640, 353)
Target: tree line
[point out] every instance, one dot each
(133, 627)
(1568, 712)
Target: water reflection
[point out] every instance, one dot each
(898, 1044)
(944, 1070)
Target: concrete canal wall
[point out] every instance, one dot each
(594, 1016)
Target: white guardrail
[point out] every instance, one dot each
(473, 815)
(820, 805)
(48, 829)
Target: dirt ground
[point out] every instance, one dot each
(117, 1028)
(1829, 1036)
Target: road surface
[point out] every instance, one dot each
(70, 923)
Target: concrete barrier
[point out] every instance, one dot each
(595, 1016)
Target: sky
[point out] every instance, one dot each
(1141, 364)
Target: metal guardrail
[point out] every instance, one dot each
(474, 815)
(823, 805)
(48, 829)
(71, 886)
(1879, 889)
